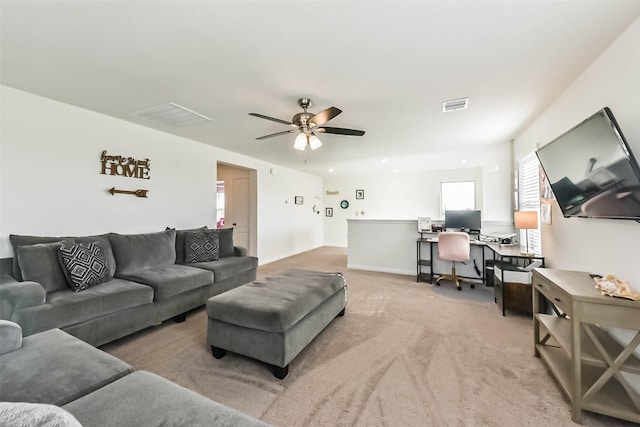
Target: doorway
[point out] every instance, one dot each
(236, 204)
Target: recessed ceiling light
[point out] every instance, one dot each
(384, 160)
(464, 161)
(330, 170)
(395, 171)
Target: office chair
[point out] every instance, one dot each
(453, 246)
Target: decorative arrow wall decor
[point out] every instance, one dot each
(137, 193)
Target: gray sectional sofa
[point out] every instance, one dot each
(149, 281)
(54, 379)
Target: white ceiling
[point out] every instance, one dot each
(387, 64)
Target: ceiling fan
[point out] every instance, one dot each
(308, 124)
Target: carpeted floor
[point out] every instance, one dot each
(405, 354)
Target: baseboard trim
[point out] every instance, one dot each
(381, 270)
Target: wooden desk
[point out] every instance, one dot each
(584, 359)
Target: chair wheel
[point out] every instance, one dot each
(437, 283)
(473, 286)
(459, 288)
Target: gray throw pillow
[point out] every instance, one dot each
(84, 264)
(226, 242)
(201, 246)
(39, 263)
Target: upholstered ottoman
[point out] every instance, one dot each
(272, 320)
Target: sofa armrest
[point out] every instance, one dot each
(15, 295)
(239, 251)
(10, 336)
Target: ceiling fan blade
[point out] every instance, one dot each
(276, 134)
(273, 119)
(340, 131)
(324, 116)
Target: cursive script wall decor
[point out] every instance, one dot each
(124, 166)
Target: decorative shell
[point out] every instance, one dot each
(614, 287)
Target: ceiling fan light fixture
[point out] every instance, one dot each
(314, 142)
(300, 142)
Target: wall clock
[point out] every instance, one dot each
(344, 204)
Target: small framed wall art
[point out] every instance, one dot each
(359, 194)
(298, 200)
(328, 211)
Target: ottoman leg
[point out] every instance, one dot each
(279, 372)
(341, 313)
(218, 353)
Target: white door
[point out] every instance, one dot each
(240, 212)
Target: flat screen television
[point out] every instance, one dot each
(592, 171)
(463, 220)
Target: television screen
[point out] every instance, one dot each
(464, 220)
(592, 171)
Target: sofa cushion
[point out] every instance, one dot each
(180, 235)
(65, 307)
(134, 252)
(39, 263)
(22, 414)
(228, 267)
(276, 303)
(171, 280)
(225, 236)
(201, 246)
(21, 240)
(83, 264)
(146, 399)
(54, 367)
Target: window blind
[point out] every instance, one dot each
(529, 197)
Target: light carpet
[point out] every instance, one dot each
(405, 354)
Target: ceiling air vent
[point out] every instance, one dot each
(171, 114)
(455, 104)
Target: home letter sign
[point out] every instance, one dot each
(124, 166)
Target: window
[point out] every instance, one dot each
(457, 195)
(529, 198)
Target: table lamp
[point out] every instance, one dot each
(526, 220)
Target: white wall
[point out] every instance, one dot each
(408, 195)
(602, 246)
(51, 183)
(596, 245)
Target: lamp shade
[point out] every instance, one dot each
(314, 142)
(526, 220)
(300, 142)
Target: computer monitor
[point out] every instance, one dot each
(463, 220)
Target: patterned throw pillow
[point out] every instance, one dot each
(84, 264)
(201, 246)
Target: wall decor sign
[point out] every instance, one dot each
(298, 200)
(328, 211)
(359, 194)
(137, 193)
(124, 166)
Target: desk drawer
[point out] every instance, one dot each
(553, 293)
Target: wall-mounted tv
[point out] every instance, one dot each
(592, 171)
